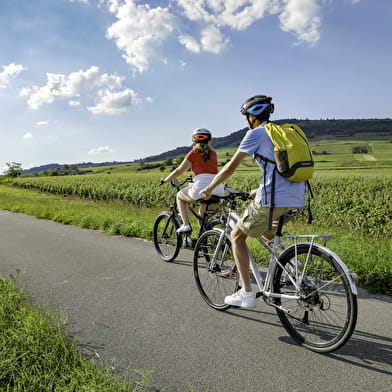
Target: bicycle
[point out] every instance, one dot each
(312, 290)
(167, 241)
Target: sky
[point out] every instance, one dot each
(119, 80)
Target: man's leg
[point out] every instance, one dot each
(241, 257)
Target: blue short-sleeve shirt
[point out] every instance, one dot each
(287, 193)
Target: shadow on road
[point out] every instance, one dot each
(364, 350)
(367, 351)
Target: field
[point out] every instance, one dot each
(353, 191)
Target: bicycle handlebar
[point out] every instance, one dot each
(233, 193)
(178, 184)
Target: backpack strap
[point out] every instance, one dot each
(263, 158)
(271, 211)
(310, 215)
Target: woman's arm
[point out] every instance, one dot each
(184, 166)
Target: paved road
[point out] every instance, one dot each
(125, 304)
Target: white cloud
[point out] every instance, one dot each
(60, 86)
(303, 18)
(236, 14)
(74, 103)
(212, 40)
(139, 31)
(114, 102)
(80, 1)
(28, 136)
(10, 72)
(190, 43)
(100, 150)
(355, 1)
(41, 123)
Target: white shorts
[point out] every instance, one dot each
(200, 182)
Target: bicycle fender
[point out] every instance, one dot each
(165, 213)
(342, 265)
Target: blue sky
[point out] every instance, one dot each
(105, 80)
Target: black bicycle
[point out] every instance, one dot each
(166, 239)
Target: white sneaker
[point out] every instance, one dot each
(242, 299)
(184, 229)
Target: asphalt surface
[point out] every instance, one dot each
(122, 303)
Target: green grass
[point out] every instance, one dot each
(36, 354)
(114, 217)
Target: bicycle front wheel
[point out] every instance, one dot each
(324, 317)
(166, 240)
(214, 269)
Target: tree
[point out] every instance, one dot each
(179, 160)
(14, 169)
(168, 161)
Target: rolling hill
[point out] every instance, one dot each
(329, 129)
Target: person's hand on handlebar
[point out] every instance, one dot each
(205, 194)
(252, 193)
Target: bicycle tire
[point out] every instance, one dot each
(325, 317)
(218, 223)
(214, 281)
(167, 241)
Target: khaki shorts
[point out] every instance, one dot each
(254, 219)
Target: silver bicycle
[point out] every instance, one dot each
(312, 290)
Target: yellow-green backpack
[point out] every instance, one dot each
(292, 157)
(292, 154)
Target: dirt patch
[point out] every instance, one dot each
(370, 157)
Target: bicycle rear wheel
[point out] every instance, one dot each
(324, 318)
(216, 276)
(166, 240)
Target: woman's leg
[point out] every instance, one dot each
(202, 210)
(182, 204)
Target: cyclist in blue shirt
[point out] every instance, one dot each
(255, 219)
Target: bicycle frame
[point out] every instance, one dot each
(265, 287)
(310, 287)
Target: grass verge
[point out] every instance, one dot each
(36, 355)
(114, 217)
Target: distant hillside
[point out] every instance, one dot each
(314, 129)
(84, 165)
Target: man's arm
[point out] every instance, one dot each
(224, 174)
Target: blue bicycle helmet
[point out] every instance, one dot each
(257, 105)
